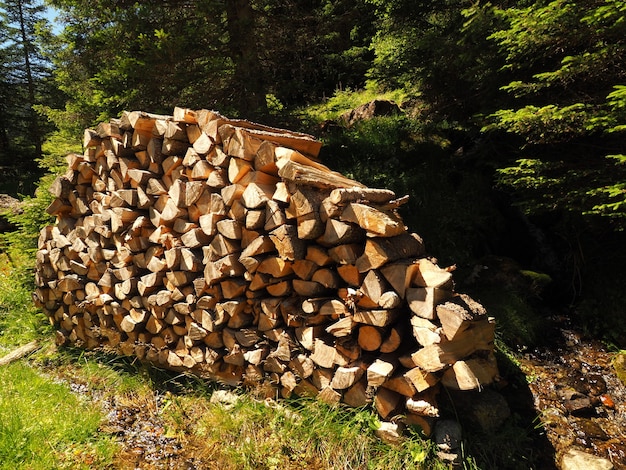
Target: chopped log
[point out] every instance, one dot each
(375, 222)
(380, 251)
(346, 377)
(287, 242)
(428, 274)
(369, 338)
(436, 357)
(310, 176)
(458, 314)
(379, 371)
(387, 402)
(357, 396)
(423, 300)
(470, 374)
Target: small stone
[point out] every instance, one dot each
(224, 397)
(447, 435)
(577, 460)
(487, 409)
(575, 403)
(388, 432)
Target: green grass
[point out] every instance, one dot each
(44, 426)
(346, 100)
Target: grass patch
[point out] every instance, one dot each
(44, 426)
(294, 434)
(346, 100)
(20, 321)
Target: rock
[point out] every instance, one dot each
(487, 409)
(370, 110)
(391, 433)
(447, 435)
(7, 204)
(224, 397)
(575, 403)
(578, 460)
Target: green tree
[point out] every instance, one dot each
(23, 85)
(568, 106)
(230, 56)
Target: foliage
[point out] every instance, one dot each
(24, 82)
(568, 90)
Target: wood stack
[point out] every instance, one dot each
(224, 247)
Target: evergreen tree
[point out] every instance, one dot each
(22, 86)
(230, 56)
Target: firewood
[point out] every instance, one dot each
(425, 331)
(380, 251)
(341, 328)
(223, 247)
(287, 242)
(379, 371)
(346, 377)
(337, 233)
(392, 342)
(428, 274)
(470, 374)
(386, 402)
(357, 396)
(375, 222)
(369, 338)
(458, 314)
(436, 357)
(423, 300)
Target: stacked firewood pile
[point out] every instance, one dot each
(223, 247)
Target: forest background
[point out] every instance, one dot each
(511, 141)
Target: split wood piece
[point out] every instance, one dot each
(309, 288)
(458, 314)
(471, 374)
(287, 243)
(428, 274)
(222, 268)
(387, 402)
(346, 377)
(329, 395)
(378, 318)
(324, 355)
(341, 328)
(438, 356)
(357, 395)
(374, 285)
(425, 331)
(423, 300)
(379, 371)
(249, 131)
(399, 274)
(350, 275)
(343, 196)
(380, 251)
(310, 176)
(256, 195)
(375, 222)
(338, 233)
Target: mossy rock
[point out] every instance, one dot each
(619, 364)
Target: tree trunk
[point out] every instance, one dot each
(250, 98)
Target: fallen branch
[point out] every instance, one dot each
(19, 353)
